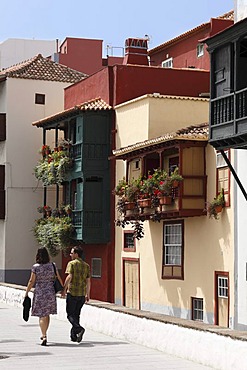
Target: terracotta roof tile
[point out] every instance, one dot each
(165, 97)
(195, 132)
(40, 68)
(91, 105)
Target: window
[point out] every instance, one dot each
(134, 168)
(40, 99)
(173, 250)
(223, 176)
(222, 287)
(168, 63)
(220, 76)
(129, 241)
(2, 192)
(197, 309)
(200, 50)
(2, 126)
(96, 267)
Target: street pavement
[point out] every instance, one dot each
(20, 348)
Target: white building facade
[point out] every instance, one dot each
(28, 92)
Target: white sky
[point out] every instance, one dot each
(110, 20)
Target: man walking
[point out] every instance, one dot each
(77, 287)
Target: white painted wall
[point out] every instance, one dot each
(240, 211)
(13, 51)
(19, 154)
(240, 10)
(240, 241)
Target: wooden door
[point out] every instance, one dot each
(222, 299)
(131, 283)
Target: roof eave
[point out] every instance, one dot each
(131, 151)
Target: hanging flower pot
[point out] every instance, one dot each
(129, 205)
(218, 209)
(144, 203)
(165, 199)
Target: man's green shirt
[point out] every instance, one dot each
(80, 271)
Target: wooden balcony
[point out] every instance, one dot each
(228, 126)
(187, 201)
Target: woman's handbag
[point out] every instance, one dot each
(57, 285)
(26, 308)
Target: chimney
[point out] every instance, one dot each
(136, 51)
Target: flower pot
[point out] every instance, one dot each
(143, 203)
(165, 199)
(129, 205)
(218, 209)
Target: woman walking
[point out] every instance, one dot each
(44, 299)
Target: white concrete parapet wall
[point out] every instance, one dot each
(217, 351)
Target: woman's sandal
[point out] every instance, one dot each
(44, 341)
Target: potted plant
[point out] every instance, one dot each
(215, 207)
(165, 192)
(64, 144)
(54, 232)
(45, 150)
(120, 188)
(148, 189)
(175, 178)
(53, 168)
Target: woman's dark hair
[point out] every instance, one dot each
(42, 255)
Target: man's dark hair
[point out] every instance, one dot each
(42, 256)
(78, 250)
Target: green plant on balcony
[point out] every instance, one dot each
(64, 144)
(175, 178)
(127, 193)
(54, 232)
(215, 207)
(53, 167)
(144, 193)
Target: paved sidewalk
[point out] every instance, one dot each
(20, 348)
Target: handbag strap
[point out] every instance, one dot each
(55, 272)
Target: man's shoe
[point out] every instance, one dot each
(73, 339)
(80, 335)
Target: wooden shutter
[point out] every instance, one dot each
(2, 126)
(2, 192)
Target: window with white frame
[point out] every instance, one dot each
(129, 241)
(96, 267)
(200, 50)
(222, 287)
(197, 309)
(173, 250)
(168, 63)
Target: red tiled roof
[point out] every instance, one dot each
(195, 132)
(228, 16)
(40, 68)
(91, 105)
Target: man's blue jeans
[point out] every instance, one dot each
(73, 309)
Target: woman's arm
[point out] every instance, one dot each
(31, 283)
(59, 277)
